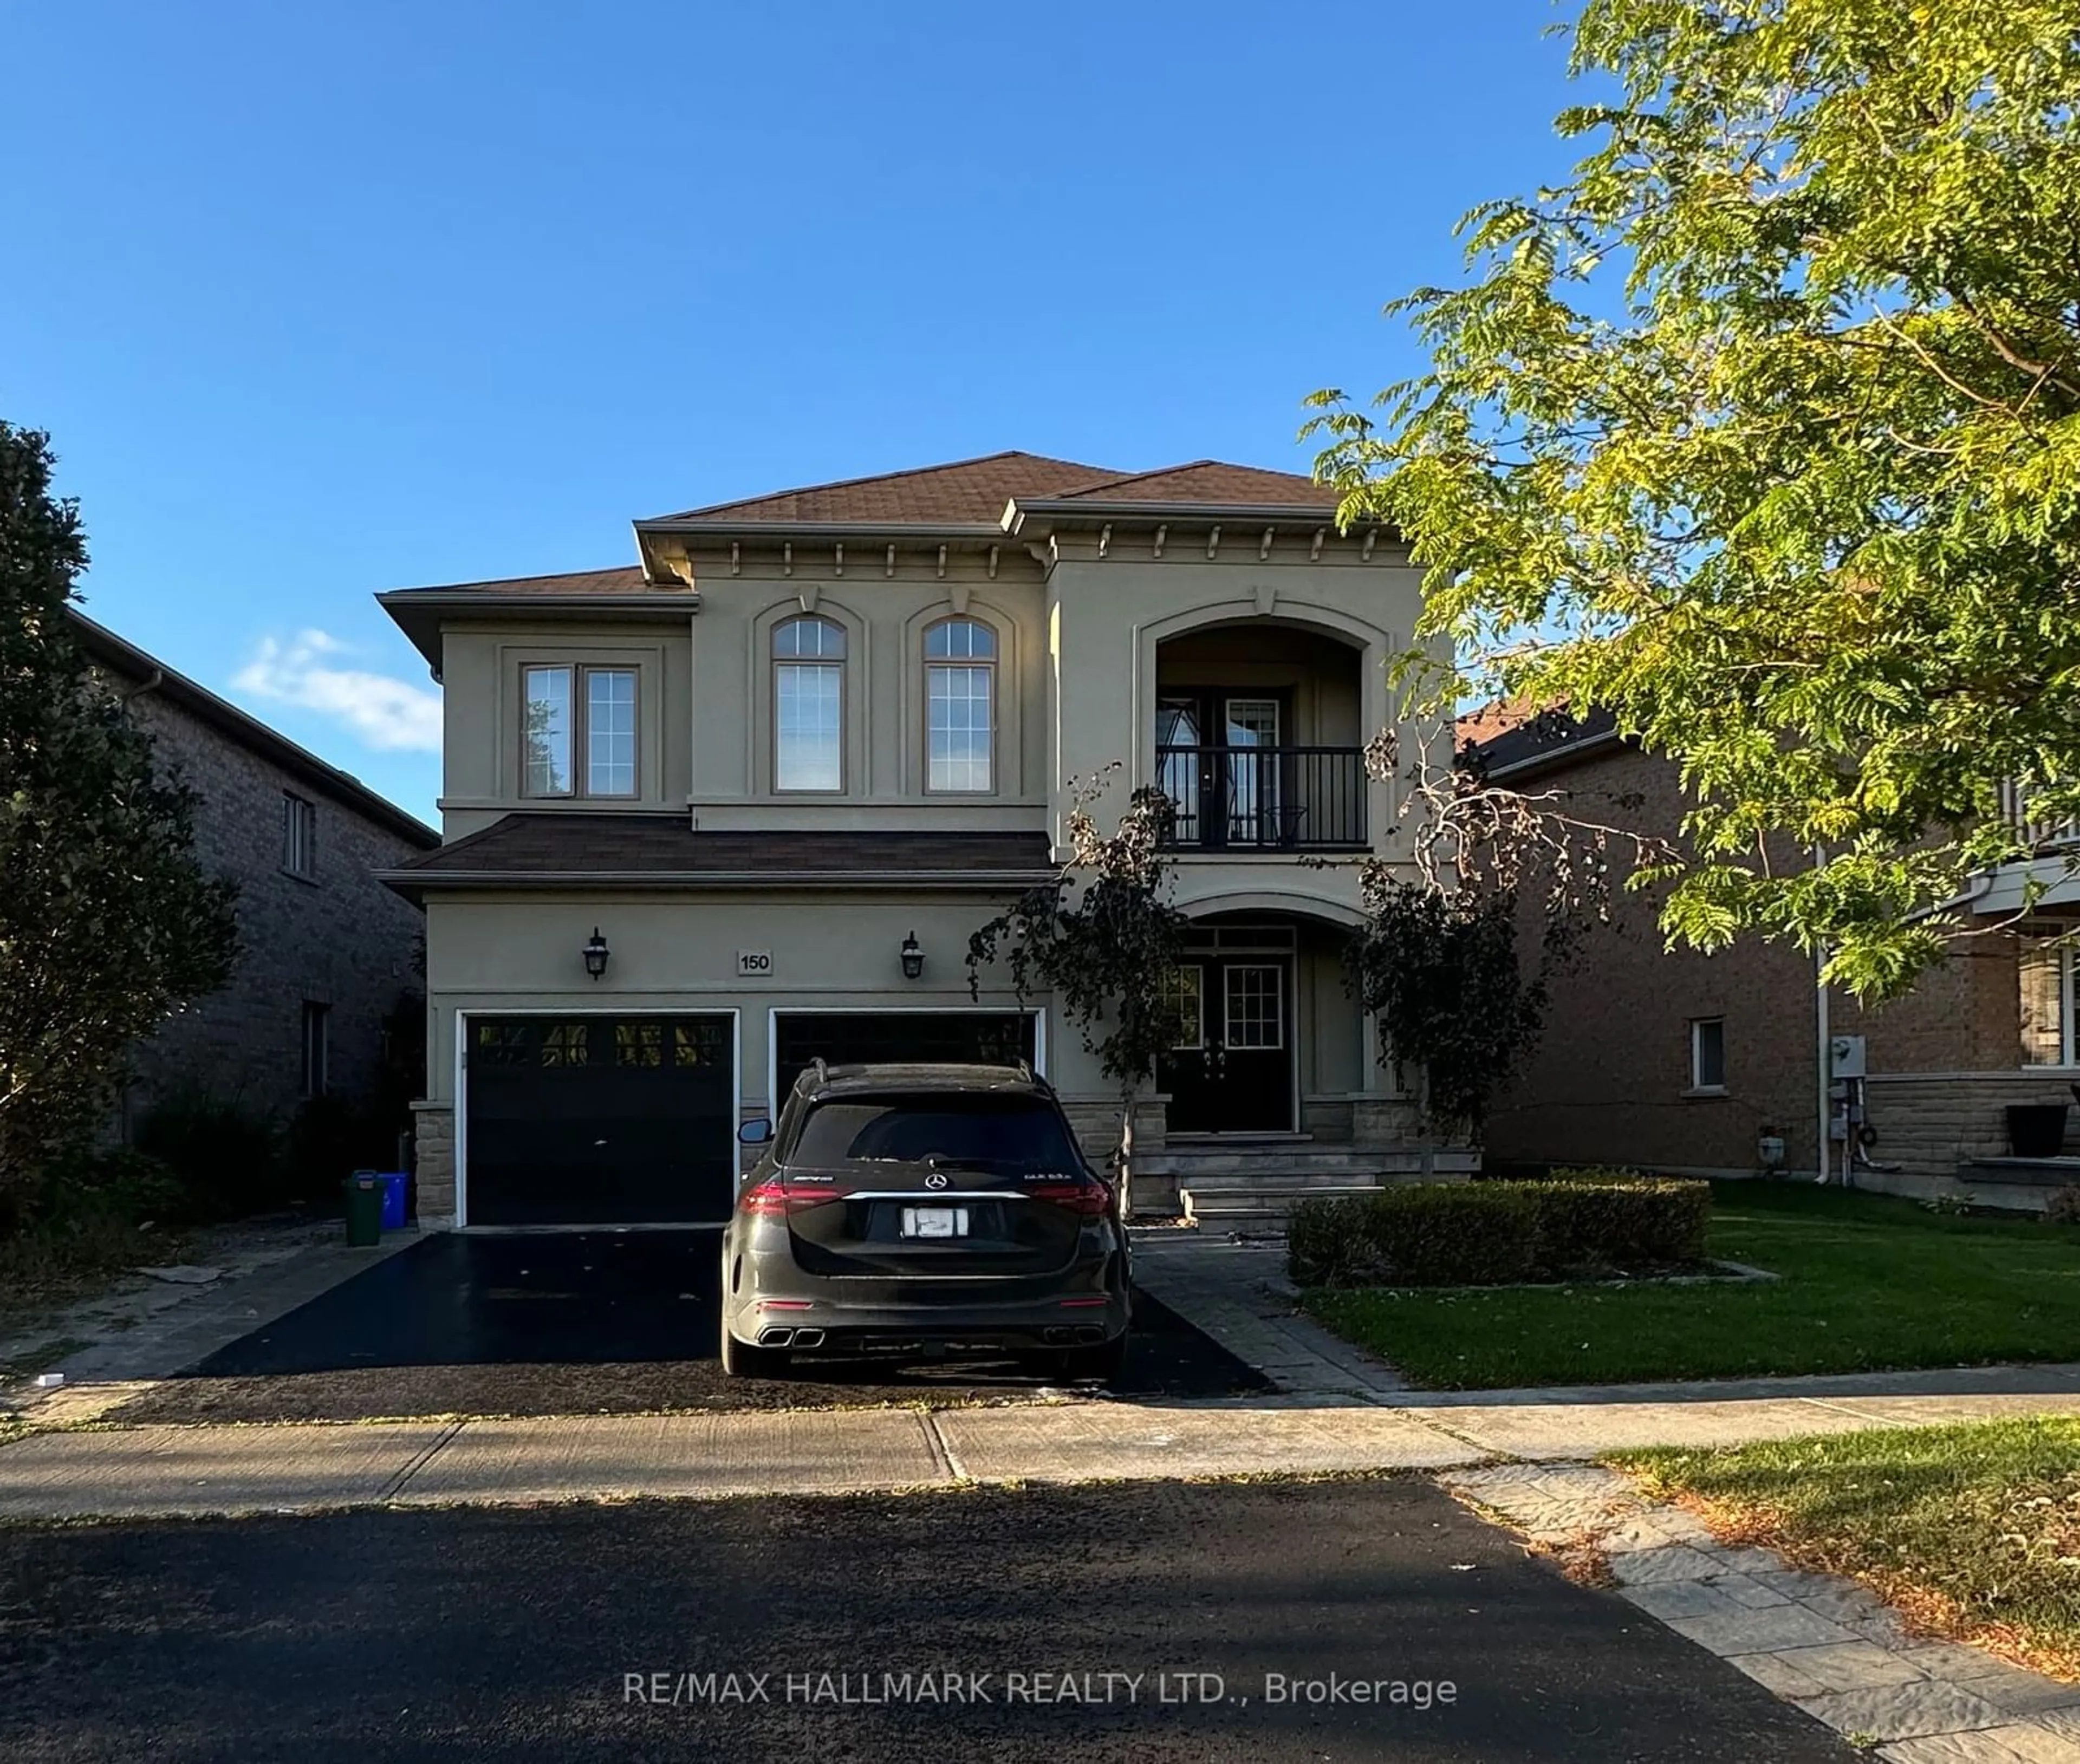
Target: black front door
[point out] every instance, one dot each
(599, 1119)
(1232, 1070)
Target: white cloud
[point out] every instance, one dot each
(385, 713)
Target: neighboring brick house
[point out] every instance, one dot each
(1693, 1062)
(326, 953)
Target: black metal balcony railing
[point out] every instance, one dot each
(1252, 799)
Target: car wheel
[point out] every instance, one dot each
(741, 1359)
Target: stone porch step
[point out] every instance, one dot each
(1263, 1208)
(1282, 1182)
(1183, 1162)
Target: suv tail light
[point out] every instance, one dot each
(773, 1199)
(1093, 1199)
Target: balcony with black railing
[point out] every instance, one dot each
(1264, 799)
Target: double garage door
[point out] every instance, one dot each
(614, 1120)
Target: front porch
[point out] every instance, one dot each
(1271, 1089)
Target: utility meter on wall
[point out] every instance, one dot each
(1845, 1056)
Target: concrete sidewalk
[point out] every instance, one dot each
(166, 1471)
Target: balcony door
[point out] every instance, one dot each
(1220, 760)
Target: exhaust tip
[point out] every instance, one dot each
(775, 1338)
(808, 1338)
(1090, 1332)
(1055, 1334)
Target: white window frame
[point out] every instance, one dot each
(835, 664)
(987, 665)
(1698, 1087)
(580, 702)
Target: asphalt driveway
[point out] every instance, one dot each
(585, 1633)
(583, 1323)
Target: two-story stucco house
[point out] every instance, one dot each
(740, 803)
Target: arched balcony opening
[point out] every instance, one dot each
(1259, 738)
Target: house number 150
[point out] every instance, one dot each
(755, 964)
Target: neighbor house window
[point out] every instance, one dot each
(559, 747)
(315, 1051)
(299, 837)
(808, 704)
(960, 686)
(1708, 1053)
(2044, 1020)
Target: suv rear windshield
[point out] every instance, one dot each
(1023, 1134)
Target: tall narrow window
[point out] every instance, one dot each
(316, 1018)
(546, 730)
(299, 837)
(2044, 972)
(610, 731)
(808, 706)
(960, 728)
(1708, 1053)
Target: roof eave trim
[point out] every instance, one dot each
(1090, 511)
(654, 600)
(957, 879)
(743, 527)
(1559, 754)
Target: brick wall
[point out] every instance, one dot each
(1608, 1081)
(342, 940)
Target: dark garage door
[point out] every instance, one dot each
(866, 1037)
(600, 1119)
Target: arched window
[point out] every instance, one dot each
(960, 715)
(808, 704)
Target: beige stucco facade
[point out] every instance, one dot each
(1092, 615)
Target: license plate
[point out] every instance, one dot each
(935, 1221)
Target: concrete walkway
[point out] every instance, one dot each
(163, 1471)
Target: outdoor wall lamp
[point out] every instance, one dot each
(913, 958)
(595, 954)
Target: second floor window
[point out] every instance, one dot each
(578, 732)
(808, 704)
(960, 689)
(299, 837)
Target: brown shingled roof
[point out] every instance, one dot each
(627, 580)
(660, 848)
(967, 490)
(1210, 481)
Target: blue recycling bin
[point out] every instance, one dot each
(393, 1183)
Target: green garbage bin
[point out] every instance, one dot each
(364, 1208)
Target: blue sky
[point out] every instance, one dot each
(323, 299)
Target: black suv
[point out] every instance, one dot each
(923, 1211)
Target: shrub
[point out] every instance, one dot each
(2063, 1205)
(1494, 1234)
(1609, 1218)
(227, 1158)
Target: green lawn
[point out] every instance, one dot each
(1870, 1282)
(1974, 1529)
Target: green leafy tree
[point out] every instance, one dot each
(106, 924)
(1100, 937)
(1761, 430)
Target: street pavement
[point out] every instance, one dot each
(621, 1632)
